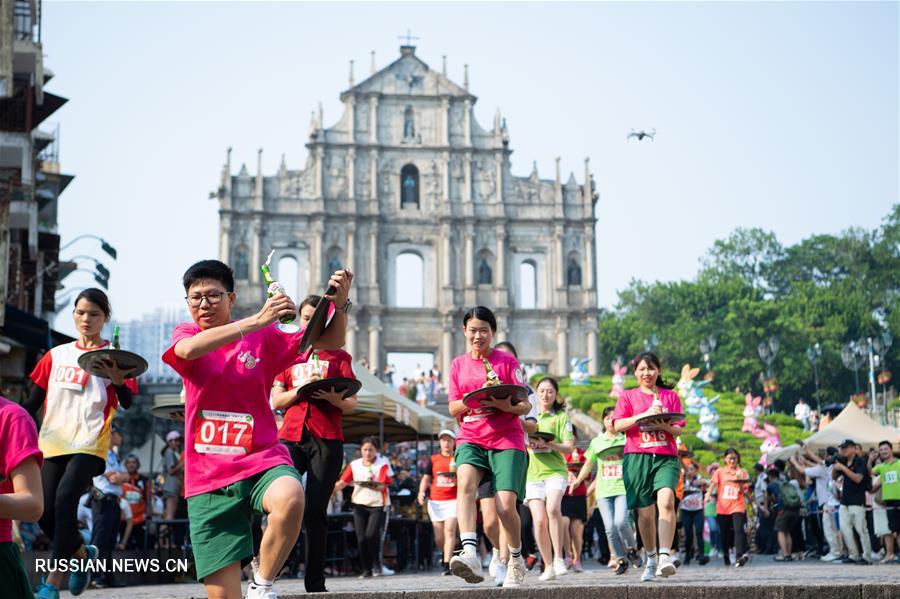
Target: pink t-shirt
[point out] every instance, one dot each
(632, 402)
(486, 427)
(230, 431)
(20, 442)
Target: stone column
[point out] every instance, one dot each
(224, 238)
(467, 122)
(317, 258)
(351, 247)
(445, 121)
(320, 165)
(351, 173)
(375, 342)
(352, 332)
(499, 176)
(445, 255)
(445, 171)
(593, 347)
(467, 182)
(447, 347)
(351, 109)
(469, 258)
(373, 174)
(587, 276)
(562, 345)
(373, 298)
(559, 259)
(373, 119)
(500, 272)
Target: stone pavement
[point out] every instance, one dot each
(761, 579)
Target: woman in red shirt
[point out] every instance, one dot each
(439, 473)
(312, 431)
(733, 487)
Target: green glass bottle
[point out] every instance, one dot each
(274, 287)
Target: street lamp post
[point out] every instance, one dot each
(881, 344)
(767, 351)
(813, 354)
(852, 356)
(104, 245)
(707, 347)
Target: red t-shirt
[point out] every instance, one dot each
(442, 469)
(576, 457)
(729, 495)
(321, 418)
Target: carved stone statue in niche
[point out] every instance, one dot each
(241, 263)
(574, 273)
(334, 264)
(485, 276)
(409, 125)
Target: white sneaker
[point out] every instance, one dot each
(515, 572)
(548, 574)
(830, 557)
(495, 561)
(649, 571)
(467, 566)
(666, 566)
(559, 567)
(500, 574)
(385, 571)
(255, 591)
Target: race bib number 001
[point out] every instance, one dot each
(223, 433)
(70, 377)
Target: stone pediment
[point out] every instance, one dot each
(409, 76)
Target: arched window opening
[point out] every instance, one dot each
(528, 285)
(409, 281)
(287, 273)
(409, 187)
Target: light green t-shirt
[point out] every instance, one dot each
(544, 464)
(890, 480)
(609, 472)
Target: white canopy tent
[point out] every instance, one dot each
(851, 423)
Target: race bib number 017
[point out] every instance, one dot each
(223, 433)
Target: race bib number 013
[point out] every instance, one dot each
(223, 433)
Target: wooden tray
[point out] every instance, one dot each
(610, 452)
(349, 387)
(518, 393)
(667, 416)
(125, 360)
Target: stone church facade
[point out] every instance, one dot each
(408, 179)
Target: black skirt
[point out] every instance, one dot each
(575, 507)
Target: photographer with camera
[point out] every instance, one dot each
(852, 513)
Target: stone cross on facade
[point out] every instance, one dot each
(408, 38)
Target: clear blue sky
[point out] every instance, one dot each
(778, 115)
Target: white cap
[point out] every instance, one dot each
(448, 433)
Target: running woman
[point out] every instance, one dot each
(20, 492)
(234, 464)
(651, 468)
(547, 478)
(439, 474)
(609, 490)
(490, 440)
(368, 502)
(78, 409)
(574, 508)
(732, 484)
(313, 432)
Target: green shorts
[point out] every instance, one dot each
(12, 572)
(646, 473)
(506, 466)
(220, 520)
